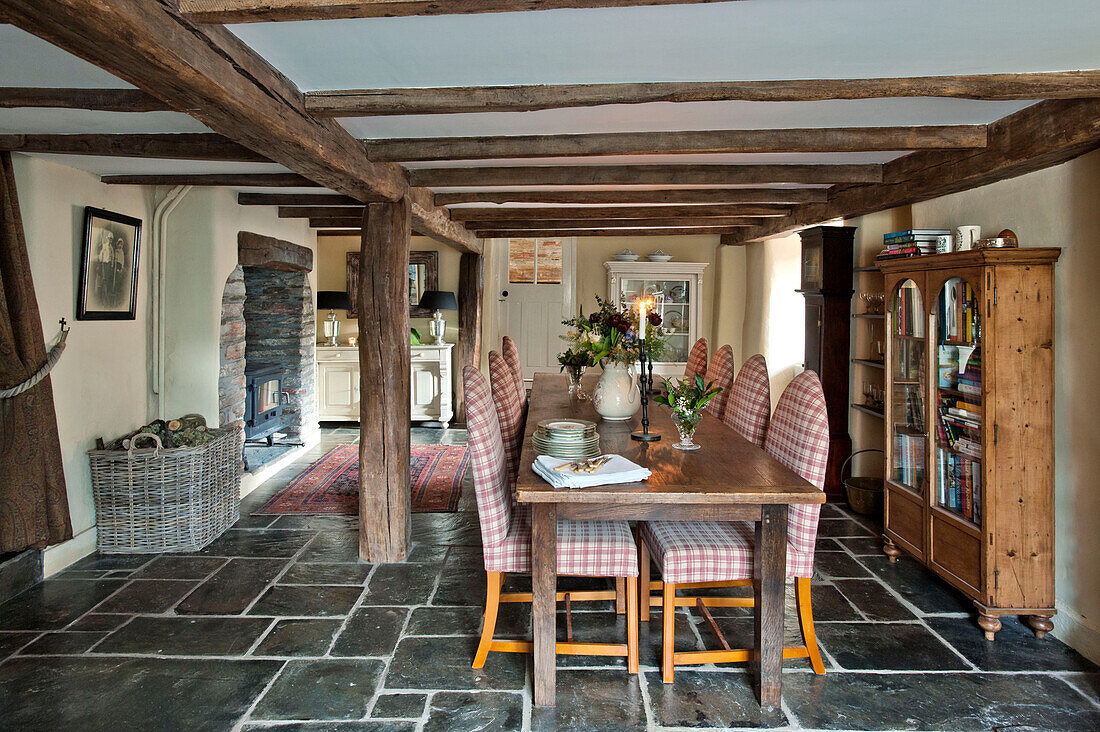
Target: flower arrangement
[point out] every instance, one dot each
(687, 397)
(610, 334)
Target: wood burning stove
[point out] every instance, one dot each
(263, 406)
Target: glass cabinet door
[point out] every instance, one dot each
(908, 376)
(672, 300)
(958, 474)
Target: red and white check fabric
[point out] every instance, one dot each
(589, 548)
(511, 356)
(509, 412)
(720, 371)
(697, 360)
(709, 551)
(750, 402)
(494, 502)
(798, 437)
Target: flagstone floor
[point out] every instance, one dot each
(276, 626)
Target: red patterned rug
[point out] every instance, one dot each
(331, 485)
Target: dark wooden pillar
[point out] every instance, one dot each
(469, 322)
(384, 400)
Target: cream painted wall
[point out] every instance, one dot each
(201, 254)
(1058, 207)
(101, 385)
(774, 314)
(103, 382)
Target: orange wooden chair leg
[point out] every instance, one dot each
(493, 582)
(632, 624)
(668, 635)
(620, 596)
(806, 623)
(643, 580)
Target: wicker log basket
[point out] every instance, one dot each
(150, 499)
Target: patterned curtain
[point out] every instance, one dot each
(34, 511)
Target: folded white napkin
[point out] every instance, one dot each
(616, 470)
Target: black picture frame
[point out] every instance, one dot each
(109, 256)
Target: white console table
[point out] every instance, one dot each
(431, 374)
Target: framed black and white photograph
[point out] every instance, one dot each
(108, 266)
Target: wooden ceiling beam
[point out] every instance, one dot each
(830, 139)
(308, 212)
(1040, 136)
(342, 232)
(644, 175)
(263, 11)
(667, 195)
(526, 98)
(668, 231)
(297, 199)
(216, 78)
(264, 180)
(189, 146)
(637, 223)
(614, 212)
(96, 100)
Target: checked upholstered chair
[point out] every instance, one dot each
(585, 548)
(701, 554)
(509, 408)
(720, 371)
(697, 360)
(510, 352)
(749, 406)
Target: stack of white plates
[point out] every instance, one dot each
(571, 439)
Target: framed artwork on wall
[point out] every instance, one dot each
(423, 275)
(108, 266)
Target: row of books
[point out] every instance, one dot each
(909, 459)
(959, 485)
(959, 316)
(914, 242)
(961, 433)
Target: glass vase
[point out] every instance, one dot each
(686, 424)
(575, 389)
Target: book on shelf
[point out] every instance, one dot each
(958, 485)
(909, 459)
(959, 317)
(915, 232)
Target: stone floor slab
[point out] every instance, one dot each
(401, 584)
(887, 646)
(334, 726)
(326, 573)
(332, 546)
(399, 706)
(842, 527)
(607, 700)
(146, 596)
(179, 568)
(321, 690)
(299, 637)
(708, 699)
(185, 636)
(839, 565)
(10, 642)
(53, 604)
(232, 588)
(1015, 649)
(313, 600)
(923, 589)
(258, 543)
(937, 702)
(473, 712)
(371, 631)
(63, 643)
(110, 694)
(444, 663)
(873, 600)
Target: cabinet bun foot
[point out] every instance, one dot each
(890, 549)
(1041, 624)
(990, 624)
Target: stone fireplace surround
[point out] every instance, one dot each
(267, 316)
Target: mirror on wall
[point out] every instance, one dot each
(423, 275)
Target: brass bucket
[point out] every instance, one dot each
(864, 494)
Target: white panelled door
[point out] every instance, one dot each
(534, 281)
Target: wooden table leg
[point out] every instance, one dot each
(769, 586)
(544, 561)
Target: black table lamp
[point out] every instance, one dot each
(332, 300)
(437, 300)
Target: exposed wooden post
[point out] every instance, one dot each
(469, 321)
(384, 363)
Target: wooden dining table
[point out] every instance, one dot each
(728, 479)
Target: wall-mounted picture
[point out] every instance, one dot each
(108, 266)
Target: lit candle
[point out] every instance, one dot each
(642, 320)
